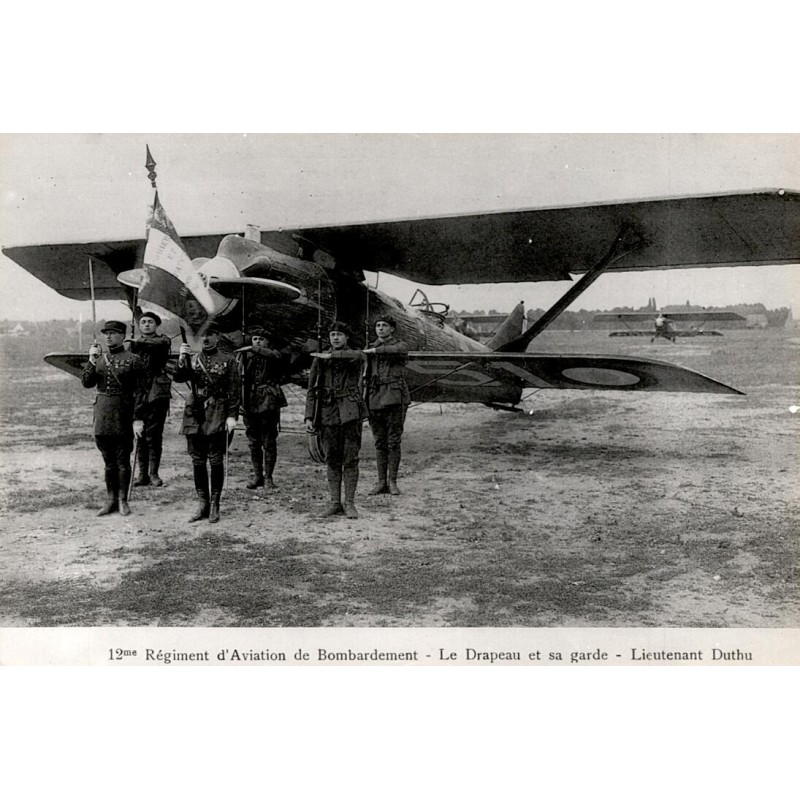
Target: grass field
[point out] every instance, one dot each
(598, 509)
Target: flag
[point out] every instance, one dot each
(171, 280)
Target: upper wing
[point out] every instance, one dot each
(529, 245)
(65, 267)
(548, 244)
(675, 316)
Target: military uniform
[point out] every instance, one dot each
(388, 400)
(336, 385)
(120, 379)
(261, 370)
(215, 397)
(154, 351)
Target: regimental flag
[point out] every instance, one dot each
(171, 280)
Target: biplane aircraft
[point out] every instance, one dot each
(663, 323)
(296, 282)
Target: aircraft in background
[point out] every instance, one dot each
(295, 283)
(663, 322)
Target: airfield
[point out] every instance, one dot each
(597, 509)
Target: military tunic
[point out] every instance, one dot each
(386, 381)
(216, 386)
(337, 385)
(388, 399)
(154, 351)
(120, 379)
(216, 381)
(262, 400)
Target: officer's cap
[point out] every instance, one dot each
(211, 328)
(152, 315)
(114, 326)
(339, 327)
(256, 330)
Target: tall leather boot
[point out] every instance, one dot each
(256, 457)
(201, 486)
(350, 483)
(142, 461)
(155, 463)
(381, 487)
(334, 507)
(217, 482)
(124, 488)
(269, 468)
(394, 466)
(112, 492)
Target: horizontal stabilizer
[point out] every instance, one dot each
(553, 371)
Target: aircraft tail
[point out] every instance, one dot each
(510, 329)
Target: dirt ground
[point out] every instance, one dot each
(596, 509)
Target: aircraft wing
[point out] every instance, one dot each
(544, 244)
(548, 244)
(674, 316)
(481, 370)
(73, 363)
(65, 267)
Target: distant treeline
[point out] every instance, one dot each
(584, 319)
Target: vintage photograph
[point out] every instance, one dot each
(484, 381)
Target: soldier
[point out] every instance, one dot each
(261, 368)
(210, 415)
(334, 406)
(388, 399)
(154, 350)
(119, 376)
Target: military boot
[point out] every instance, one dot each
(350, 483)
(155, 463)
(142, 461)
(334, 506)
(217, 482)
(112, 491)
(269, 468)
(201, 486)
(213, 513)
(394, 466)
(202, 508)
(257, 481)
(381, 487)
(124, 487)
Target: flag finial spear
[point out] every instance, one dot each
(150, 164)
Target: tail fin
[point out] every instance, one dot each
(510, 329)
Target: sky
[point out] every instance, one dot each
(84, 187)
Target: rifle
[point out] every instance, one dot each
(314, 440)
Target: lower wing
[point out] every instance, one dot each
(453, 371)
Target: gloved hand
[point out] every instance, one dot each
(138, 428)
(94, 353)
(185, 350)
(309, 425)
(230, 424)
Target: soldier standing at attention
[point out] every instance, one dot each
(154, 350)
(388, 400)
(120, 377)
(210, 415)
(334, 404)
(261, 368)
